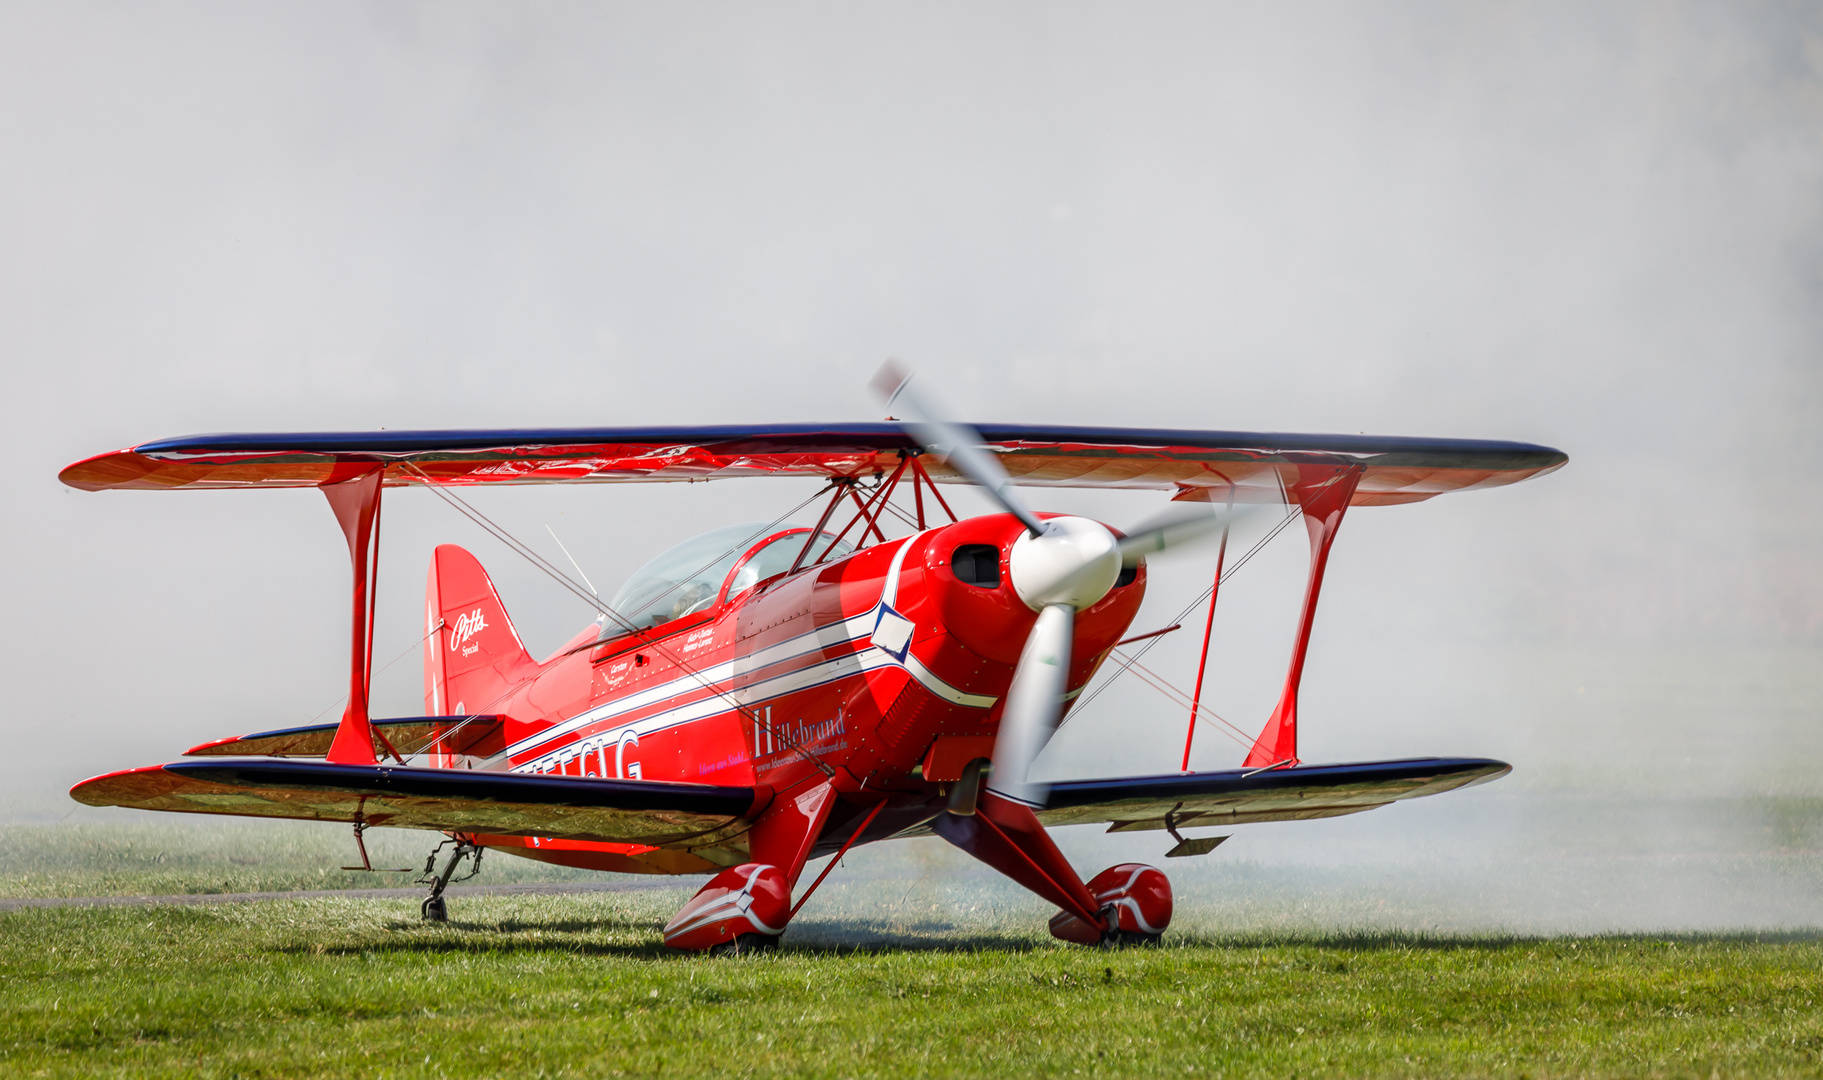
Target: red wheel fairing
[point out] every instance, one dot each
(1137, 896)
(753, 898)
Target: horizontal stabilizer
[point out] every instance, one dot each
(408, 735)
(1244, 796)
(648, 812)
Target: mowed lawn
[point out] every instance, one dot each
(579, 986)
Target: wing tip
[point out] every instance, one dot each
(123, 787)
(100, 472)
(215, 747)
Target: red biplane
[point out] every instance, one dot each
(763, 695)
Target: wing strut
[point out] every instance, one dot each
(1202, 665)
(1322, 492)
(356, 502)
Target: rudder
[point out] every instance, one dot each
(472, 654)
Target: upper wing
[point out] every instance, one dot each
(686, 817)
(1397, 470)
(1239, 797)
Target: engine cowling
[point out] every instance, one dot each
(983, 611)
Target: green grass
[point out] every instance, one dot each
(911, 961)
(579, 986)
(149, 855)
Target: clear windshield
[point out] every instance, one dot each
(777, 557)
(687, 578)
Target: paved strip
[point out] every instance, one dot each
(547, 889)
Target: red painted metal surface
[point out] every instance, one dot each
(1323, 493)
(1139, 896)
(789, 679)
(473, 657)
(750, 899)
(785, 833)
(950, 754)
(1006, 836)
(356, 502)
(1202, 661)
(918, 468)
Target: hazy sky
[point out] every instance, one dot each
(1590, 226)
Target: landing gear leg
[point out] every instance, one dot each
(434, 908)
(1008, 837)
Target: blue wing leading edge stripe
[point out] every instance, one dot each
(636, 795)
(633, 795)
(1239, 781)
(782, 438)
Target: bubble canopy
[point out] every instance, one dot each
(688, 577)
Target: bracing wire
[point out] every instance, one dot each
(513, 544)
(388, 664)
(1164, 686)
(566, 554)
(1126, 664)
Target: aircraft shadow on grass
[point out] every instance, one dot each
(846, 944)
(567, 936)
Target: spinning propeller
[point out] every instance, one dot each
(1058, 567)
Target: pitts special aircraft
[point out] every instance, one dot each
(758, 697)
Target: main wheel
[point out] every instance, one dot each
(435, 910)
(1128, 939)
(1135, 909)
(745, 945)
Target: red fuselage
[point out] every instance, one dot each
(886, 668)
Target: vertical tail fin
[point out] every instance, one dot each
(472, 654)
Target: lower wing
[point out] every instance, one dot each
(644, 812)
(1244, 796)
(705, 819)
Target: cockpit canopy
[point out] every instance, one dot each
(689, 577)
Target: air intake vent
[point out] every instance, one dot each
(977, 564)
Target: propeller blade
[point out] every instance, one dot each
(1177, 526)
(1033, 705)
(955, 443)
